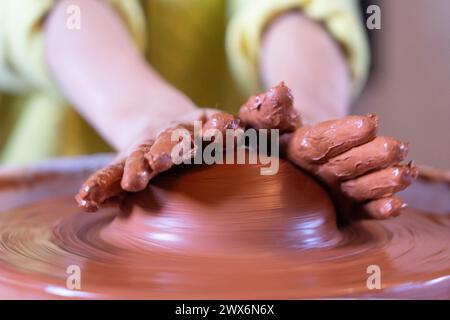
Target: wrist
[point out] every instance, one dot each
(300, 52)
(157, 107)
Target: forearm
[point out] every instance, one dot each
(300, 52)
(99, 70)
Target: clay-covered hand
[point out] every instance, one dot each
(133, 171)
(356, 165)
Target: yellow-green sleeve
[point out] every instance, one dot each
(22, 66)
(248, 18)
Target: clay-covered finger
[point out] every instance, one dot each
(137, 171)
(318, 143)
(100, 186)
(380, 184)
(175, 142)
(220, 121)
(377, 154)
(273, 109)
(383, 208)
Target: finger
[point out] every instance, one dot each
(273, 109)
(383, 208)
(219, 126)
(172, 146)
(285, 140)
(221, 121)
(379, 153)
(137, 171)
(325, 140)
(100, 186)
(380, 184)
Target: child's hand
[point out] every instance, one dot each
(356, 165)
(146, 159)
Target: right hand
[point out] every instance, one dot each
(150, 155)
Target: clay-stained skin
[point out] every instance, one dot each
(100, 186)
(159, 156)
(221, 121)
(145, 162)
(319, 143)
(334, 150)
(380, 184)
(345, 149)
(134, 173)
(259, 237)
(384, 208)
(273, 109)
(226, 232)
(137, 172)
(379, 153)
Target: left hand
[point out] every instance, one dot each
(357, 166)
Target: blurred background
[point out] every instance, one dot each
(409, 85)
